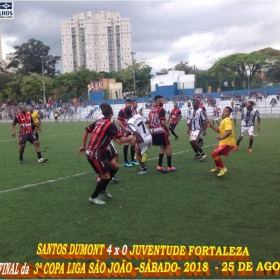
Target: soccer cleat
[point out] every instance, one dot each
(250, 150)
(161, 169)
(41, 160)
(142, 172)
(144, 157)
(98, 179)
(222, 172)
(171, 169)
(127, 164)
(114, 179)
(106, 194)
(196, 157)
(216, 169)
(176, 138)
(134, 162)
(203, 157)
(21, 161)
(236, 148)
(96, 200)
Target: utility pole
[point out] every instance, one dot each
(133, 61)
(43, 82)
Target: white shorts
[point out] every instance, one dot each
(215, 118)
(232, 117)
(111, 148)
(247, 130)
(146, 144)
(195, 135)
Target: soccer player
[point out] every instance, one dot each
(216, 113)
(160, 133)
(234, 112)
(136, 124)
(189, 113)
(26, 123)
(226, 138)
(122, 122)
(175, 117)
(102, 131)
(197, 126)
(201, 141)
(248, 116)
(37, 120)
(56, 116)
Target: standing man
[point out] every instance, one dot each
(25, 122)
(248, 116)
(134, 108)
(37, 120)
(101, 133)
(233, 112)
(56, 116)
(136, 124)
(216, 113)
(201, 141)
(197, 127)
(227, 141)
(122, 123)
(175, 117)
(189, 113)
(160, 133)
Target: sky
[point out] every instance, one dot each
(163, 32)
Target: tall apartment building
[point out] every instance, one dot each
(99, 42)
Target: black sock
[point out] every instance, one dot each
(132, 151)
(144, 168)
(21, 157)
(160, 158)
(169, 161)
(250, 143)
(101, 186)
(37, 136)
(125, 151)
(113, 173)
(39, 155)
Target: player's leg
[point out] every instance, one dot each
(196, 147)
(172, 128)
(32, 139)
(160, 158)
(125, 153)
(132, 153)
(243, 131)
(21, 150)
(251, 137)
(142, 154)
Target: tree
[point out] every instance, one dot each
(30, 56)
(183, 66)
(247, 66)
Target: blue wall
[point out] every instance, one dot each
(96, 97)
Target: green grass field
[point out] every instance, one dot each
(48, 203)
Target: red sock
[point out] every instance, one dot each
(219, 162)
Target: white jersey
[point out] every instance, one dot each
(234, 111)
(248, 117)
(137, 123)
(197, 117)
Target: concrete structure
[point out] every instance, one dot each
(99, 42)
(172, 83)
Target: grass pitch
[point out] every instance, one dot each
(48, 202)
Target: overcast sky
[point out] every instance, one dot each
(163, 32)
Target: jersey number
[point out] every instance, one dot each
(143, 126)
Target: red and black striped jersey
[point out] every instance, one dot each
(175, 114)
(156, 115)
(25, 122)
(102, 132)
(123, 118)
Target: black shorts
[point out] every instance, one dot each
(160, 139)
(101, 164)
(24, 138)
(172, 126)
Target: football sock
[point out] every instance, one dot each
(144, 168)
(169, 161)
(113, 172)
(250, 143)
(125, 151)
(101, 186)
(132, 151)
(174, 133)
(21, 157)
(39, 155)
(160, 158)
(37, 136)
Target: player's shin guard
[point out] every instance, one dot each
(113, 173)
(217, 159)
(101, 186)
(160, 159)
(250, 143)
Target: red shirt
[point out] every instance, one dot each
(156, 114)
(25, 123)
(175, 114)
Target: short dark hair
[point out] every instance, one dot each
(229, 108)
(128, 100)
(134, 100)
(157, 97)
(251, 102)
(128, 112)
(106, 109)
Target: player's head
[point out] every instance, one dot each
(134, 103)
(158, 100)
(195, 103)
(232, 103)
(189, 104)
(250, 104)
(22, 109)
(175, 105)
(106, 110)
(128, 112)
(226, 112)
(198, 99)
(128, 103)
(31, 109)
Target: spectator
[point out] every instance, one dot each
(273, 102)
